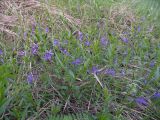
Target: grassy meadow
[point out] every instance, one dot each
(79, 60)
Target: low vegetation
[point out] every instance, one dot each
(79, 60)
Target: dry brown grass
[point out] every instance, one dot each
(121, 18)
(19, 13)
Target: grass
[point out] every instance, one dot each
(77, 60)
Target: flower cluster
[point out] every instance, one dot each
(141, 101)
(104, 41)
(48, 55)
(111, 72)
(61, 46)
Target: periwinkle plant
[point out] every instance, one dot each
(94, 66)
(47, 30)
(77, 61)
(110, 71)
(48, 55)
(21, 53)
(124, 39)
(56, 42)
(142, 101)
(1, 52)
(64, 51)
(104, 41)
(35, 49)
(95, 70)
(87, 43)
(152, 64)
(30, 78)
(156, 95)
(80, 35)
(139, 29)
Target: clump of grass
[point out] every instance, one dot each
(106, 67)
(20, 13)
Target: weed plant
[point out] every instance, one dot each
(107, 67)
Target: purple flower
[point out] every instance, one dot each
(111, 72)
(30, 78)
(64, 51)
(21, 53)
(25, 35)
(1, 52)
(56, 42)
(77, 62)
(152, 64)
(95, 70)
(48, 55)
(87, 43)
(80, 35)
(47, 30)
(123, 72)
(141, 101)
(124, 39)
(156, 95)
(34, 48)
(139, 29)
(104, 41)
